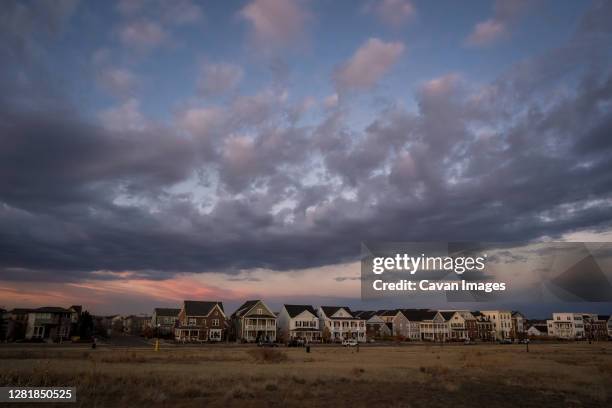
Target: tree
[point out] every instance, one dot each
(85, 325)
(326, 334)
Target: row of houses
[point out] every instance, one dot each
(572, 326)
(254, 321)
(50, 323)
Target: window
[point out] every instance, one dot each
(191, 321)
(259, 311)
(215, 322)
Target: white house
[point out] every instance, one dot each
(502, 322)
(566, 326)
(537, 330)
(341, 323)
(434, 327)
(299, 322)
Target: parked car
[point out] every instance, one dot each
(349, 343)
(266, 344)
(469, 342)
(505, 341)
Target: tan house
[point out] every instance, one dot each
(254, 322)
(200, 321)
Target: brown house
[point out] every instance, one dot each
(200, 321)
(486, 332)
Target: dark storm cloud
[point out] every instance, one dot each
(512, 161)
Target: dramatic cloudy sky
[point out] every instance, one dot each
(154, 151)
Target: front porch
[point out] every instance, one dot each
(308, 335)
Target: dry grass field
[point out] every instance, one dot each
(569, 375)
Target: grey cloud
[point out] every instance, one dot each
(511, 161)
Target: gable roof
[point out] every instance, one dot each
(247, 306)
(200, 308)
(164, 311)
(330, 310)
(365, 314)
(447, 314)
(77, 308)
(295, 310)
(49, 309)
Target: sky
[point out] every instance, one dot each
(154, 151)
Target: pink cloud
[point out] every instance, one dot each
(275, 22)
(394, 12)
(505, 14)
(369, 64)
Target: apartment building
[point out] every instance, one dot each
(566, 326)
(502, 323)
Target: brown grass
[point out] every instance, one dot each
(577, 375)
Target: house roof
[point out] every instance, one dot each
(49, 309)
(295, 310)
(517, 313)
(365, 314)
(199, 307)
(540, 327)
(77, 308)
(604, 317)
(417, 315)
(163, 311)
(246, 306)
(330, 310)
(389, 312)
(447, 314)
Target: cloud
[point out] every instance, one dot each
(275, 22)
(368, 64)
(117, 81)
(127, 116)
(505, 15)
(142, 35)
(219, 78)
(393, 12)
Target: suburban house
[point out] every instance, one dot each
(254, 322)
(608, 319)
(136, 324)
(376, 327)
(299, 322)
(518, 325)
(164, 320)
(566, 326)
(434, 327)
(595, 328)
(462, 324)
(502, 322)
(414, 318)
(200, 321)
(485, 327)
(48, 323)
(338, 323)
(537, 330)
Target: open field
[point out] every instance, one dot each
(575, 375)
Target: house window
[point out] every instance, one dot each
(192, 321)
(260, 311)
(215, 322)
